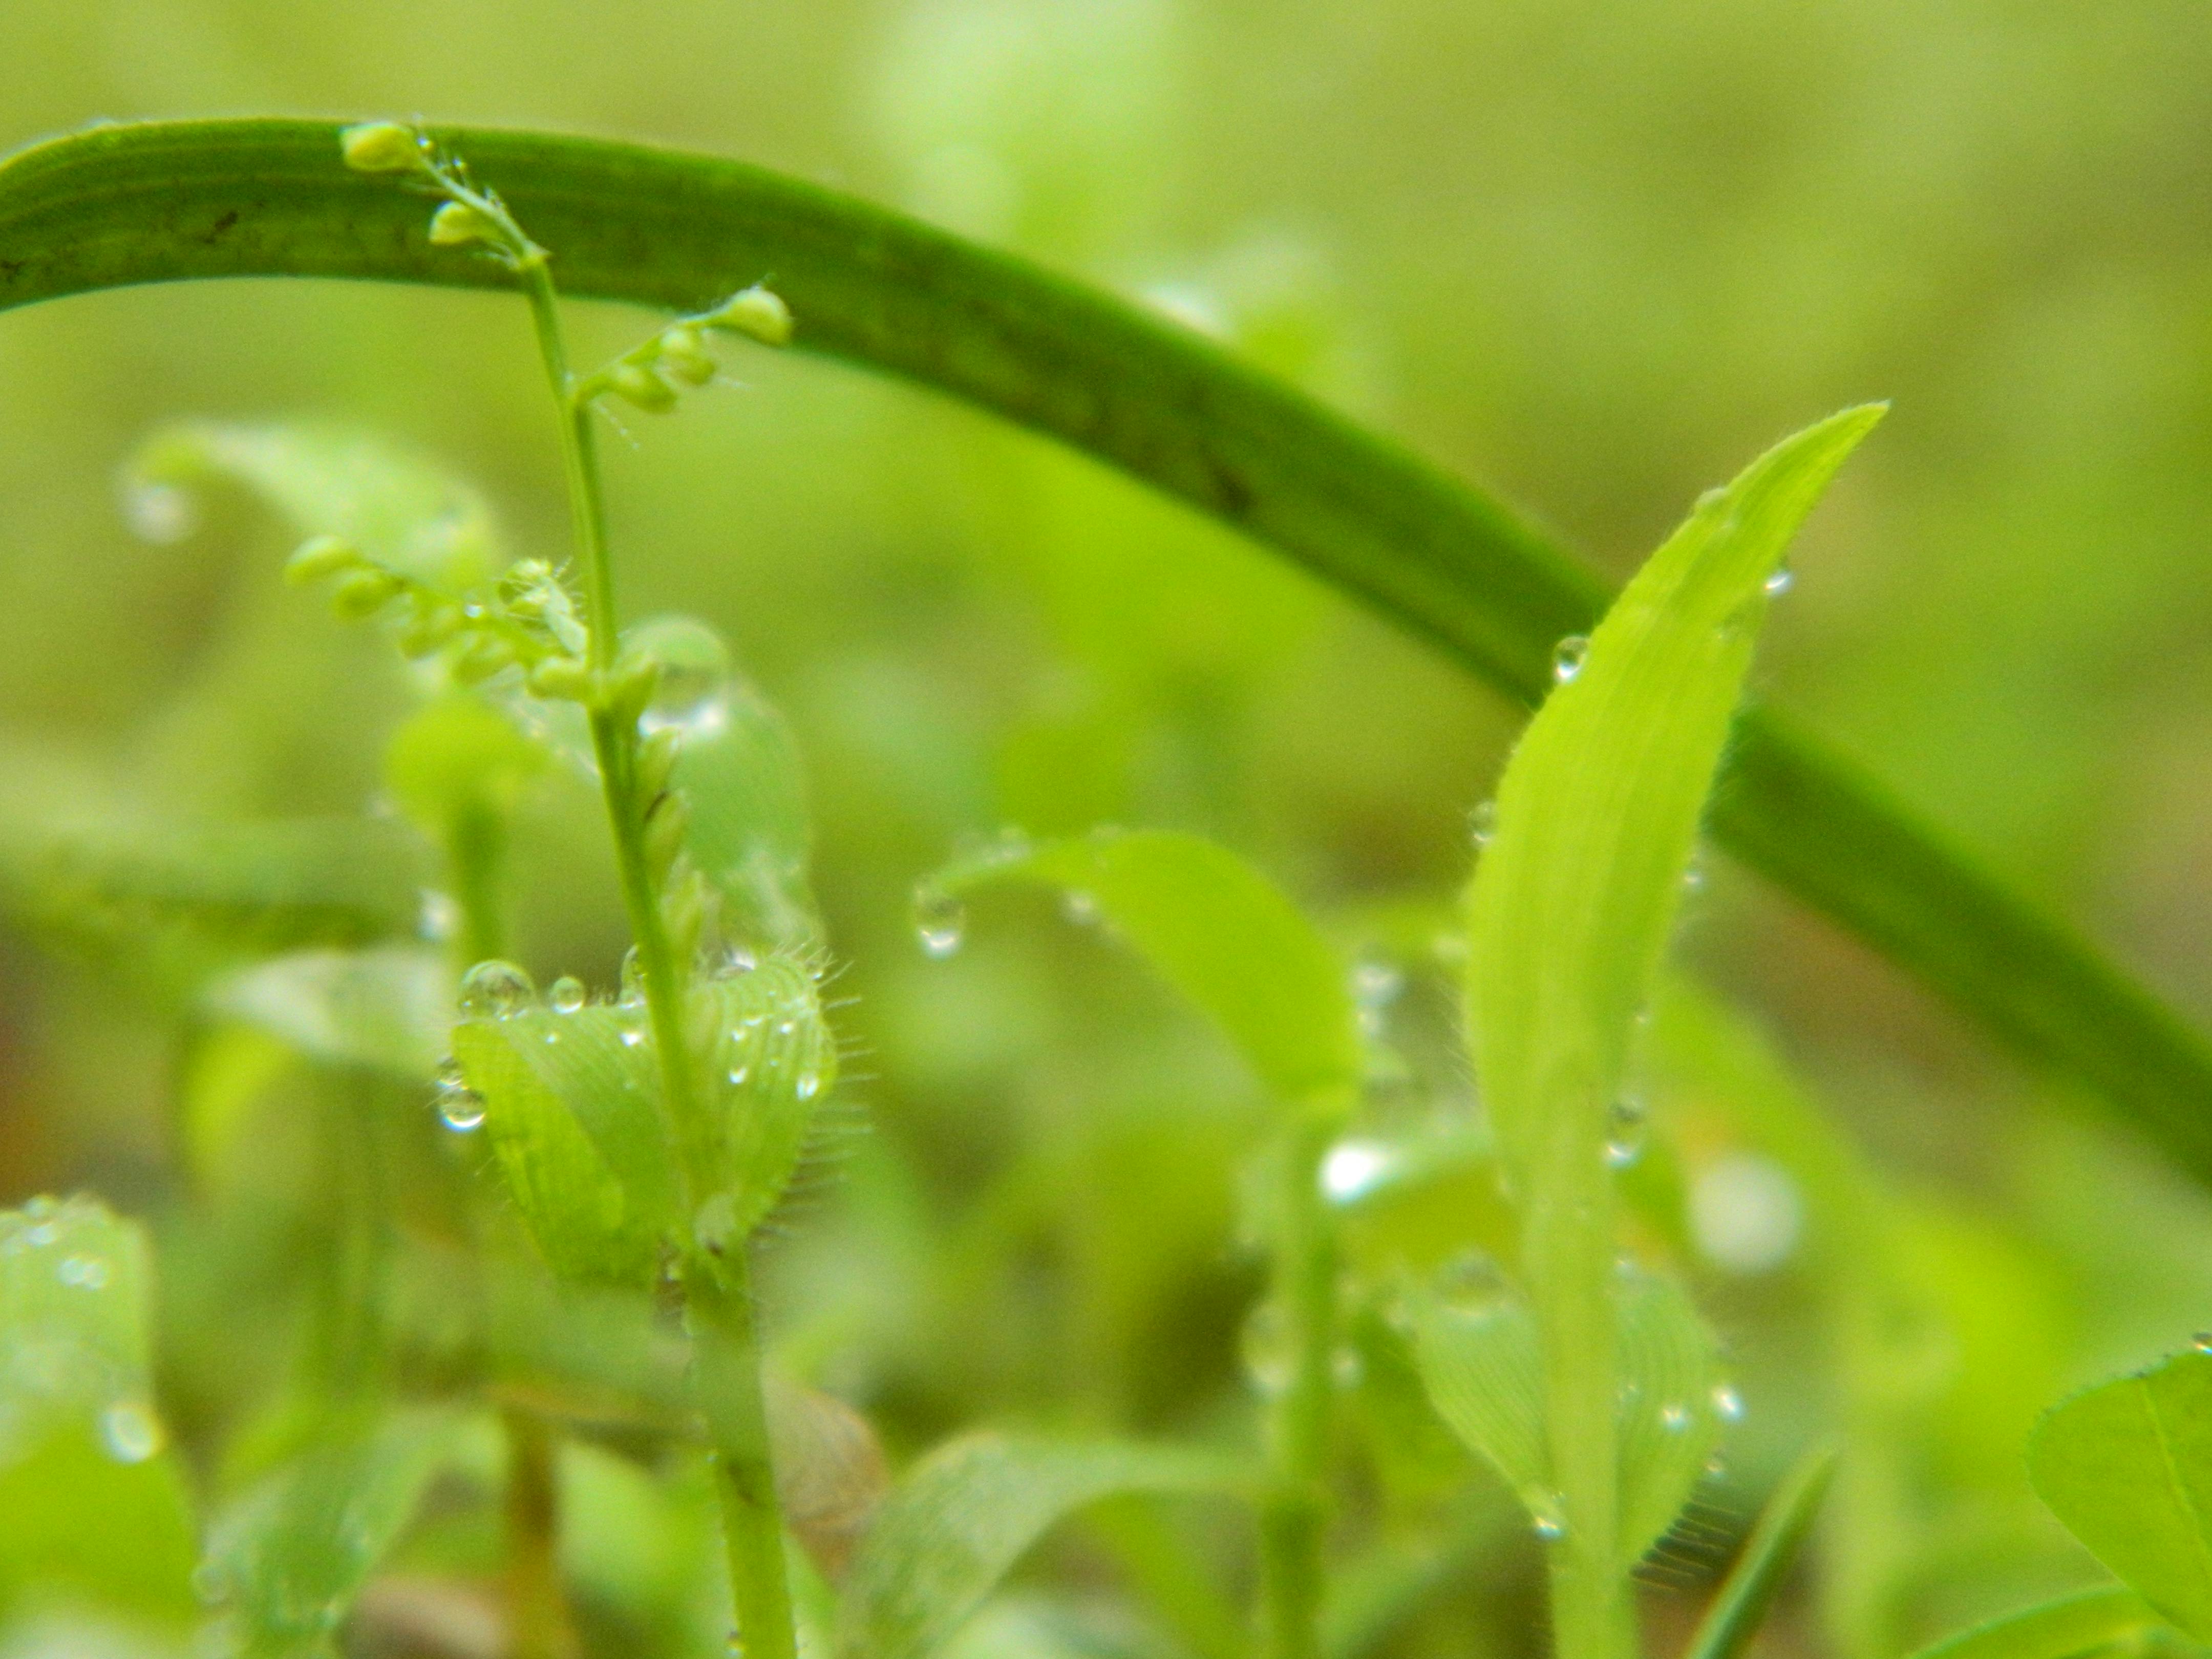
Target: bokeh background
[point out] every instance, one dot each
(1594, 256)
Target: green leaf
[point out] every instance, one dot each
(1215, 929)
(1597, 813)
(385, 1008)
(2078, 1624)
(767, 1072)
(157, 202)
(457, 768)
(573, 1112)
(90, 1503)
(286, 1560)
(961, 1518)
(2128, 1467)
(395, 507)
(740, 770)
(1741, 1606)
(1483, 1369)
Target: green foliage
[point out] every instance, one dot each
(1769, 1554)
(2128, 1467)
(2089, 1621)
(1213, 927)
(92, 1504)
(953, 1527)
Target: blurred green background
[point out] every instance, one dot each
(1594, 257)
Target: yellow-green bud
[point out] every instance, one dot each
(562, 679)
(681, 353)
(457, 223)
(684, 911)
(364, 593)
(320, 557)
(380, 147)
(757, 312)
(656, 759)
(636, 385)
(664, 834)
(629, 689)
(481, 658)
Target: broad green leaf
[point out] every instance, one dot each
(1598, 811)
(1215, 929)
(286, 1560)
(1484, 1372)
(394, 506)
(240, 888)
(2128, 1467)
(767, 1072)
(2073, 1625)
(90, 1503)
(949, 1531)
(739, 770)
(164, 201)
(1741, 1605)
(385, 1008)
(456, 767)
(573, 1112)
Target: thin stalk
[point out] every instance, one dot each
(717, 1287)
(1569, 1249)
(1294, 1517)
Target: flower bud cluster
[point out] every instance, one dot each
(467, 217)
(650, 375)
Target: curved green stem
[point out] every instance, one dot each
(170, 200)
(1294, 1514)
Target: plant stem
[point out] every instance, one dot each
(537, 1625)
(717, 1286)
(1569, 1255)
(1294, 1516)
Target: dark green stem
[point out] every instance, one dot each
(537, 1625)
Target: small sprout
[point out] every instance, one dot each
(639, 386)
(365, 593)
(457, 224)
(664, 834)
(680, 352)
(756, 312)
(562, 679)
(321, 557)
(381, 147)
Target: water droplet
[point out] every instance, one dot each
(1729, 1403)
(40, 1236)
(2201, 1341)
(1745, 1212)
(692, 695)
(631, 1037)
(1079, 907)
(1623, 1135)
(1549, 1527)
(1716, 1466)
(160, 512)
(87, 1273)
(460, 1108)
(1567, 657)
(1673, 1417)
(738, 1074)
(1482, 823)
(1375, 984)
(633, 980)
(809, 1085)
(496, 990)
(439, 919)
(1351, 1169)
(940, 922)
(1693, 877)
(129, 1431)
(1779, 583)
(567, 994)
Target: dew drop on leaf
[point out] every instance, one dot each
(496, 990)
(809, 1085)
(1482, 823)
(1729, 1403)
(567, 994)
(940, 922)
(1567, 657)
(1351, 1169)
(129, 1431)
(87, 1272)
(1780, 582)
(1673, 1417)
(1623, 1135)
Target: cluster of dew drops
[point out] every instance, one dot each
(1568, 655)
(501, 990)
(128, 1429)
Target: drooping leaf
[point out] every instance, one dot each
(1598, 811)
(386, 1008)
(1752, 1583)
(1216, 930)
(1483, 1368)
(739, 769)
(572, 1111)
(2127, 1465)
(2082, 1622)
(397, 509)
(286, 1560)
(952, 1528)
(91, 1505)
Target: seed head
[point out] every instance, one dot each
(381, 147)
(756, 312)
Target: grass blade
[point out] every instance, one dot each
(1737, 1611)
(2054, 1629)
(165, 201)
